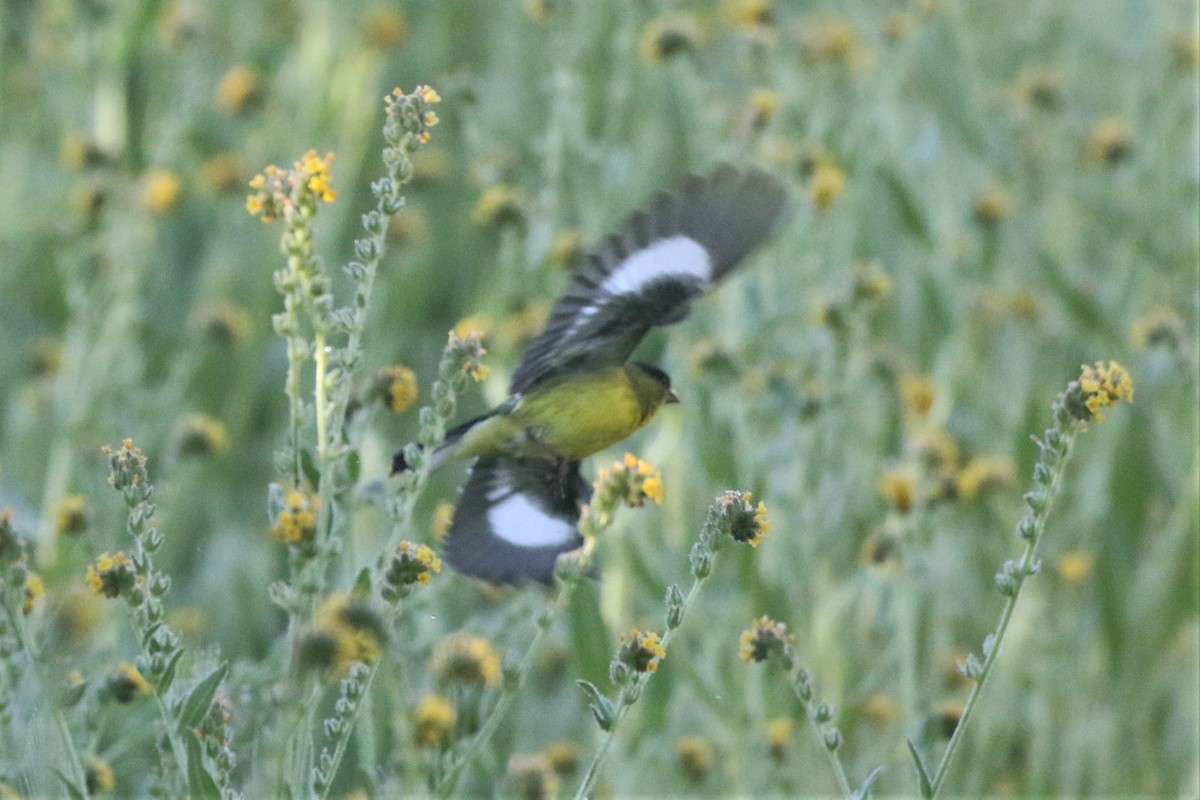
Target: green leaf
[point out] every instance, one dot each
(195, 706)
(362, 584)
(924, 784)
(864, 791)
(353, 466)
(200, 783)
(169, 673)
(72, 790)
(602, 708)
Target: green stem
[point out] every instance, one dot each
(343, 737)
(992, 651)
(839, 771)
(321, 361)
(639, 683)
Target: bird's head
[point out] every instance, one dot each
(652, 384)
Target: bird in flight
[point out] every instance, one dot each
(575, 392)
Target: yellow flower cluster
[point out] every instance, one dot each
(160, 190)
(695, 755)
(762, 639)
(399, 387)
(641, 650)
(1110, 142)
(826, 185)
(202, 435)
(126, 683)
(278, 191)
(899, 489)
(411, 564)
(464, 658)
(668, 36)
(502, 204)
(111, 575)
(413, 110)
(238, 89)
(1104, 384)
(745, 522)
(297, 522)
(631, 481)
(355, 629)
(433, 720)
(72, 515)
(982, 473)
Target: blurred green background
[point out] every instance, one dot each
(986, 195)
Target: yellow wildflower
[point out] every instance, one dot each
(464, 658)
(385, 27)
(71, 518)
(434, 718)
(825, 185)
(764, 638)
(779, 731)
(238, 89)
(668, 36)
(899, 489)
(694, 755)
(111, 575)
(160, 190)
(1104, 384)
(1111, 142)
(98, 776)
(641, 651)
(1075, 566)
(34, 589)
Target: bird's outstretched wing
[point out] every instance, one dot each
(676, 248)
(516, 516)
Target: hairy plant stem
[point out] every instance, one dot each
(1025, 566)
(623, 706)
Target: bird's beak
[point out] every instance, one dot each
(671, 396)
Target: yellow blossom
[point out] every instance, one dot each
(385, 27)
(126, 683)
(238, 89)
(1110, 142)
(983, 473)
(111, 575)
(825, 185)
(917, 393)
(355, 628)
(433, 719)
(695, 756)
(71, 518)
(566, 248)
(764, 638)
(98, 776)
(779, 731)
(993, 205)
(160, 190)
(443, 515)
(202, 435)
(641, 651)
(563, 757)
(1104, 384)
(668, 36)
(501, 204)
(763, 103)
(882, 710)
(296, 523)
(899, 489)
(464, 658)
(749, 15)
(399, 387)
(1075, 567)
(1159, 327)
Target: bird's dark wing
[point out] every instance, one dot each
(515, 517)
(677, 247)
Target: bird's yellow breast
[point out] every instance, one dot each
(570, 418)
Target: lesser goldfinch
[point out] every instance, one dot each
(574, 392)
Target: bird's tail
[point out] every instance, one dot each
(443, 452)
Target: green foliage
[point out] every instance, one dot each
(986, 196)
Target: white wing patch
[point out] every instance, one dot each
(677, 255)
(518, 521)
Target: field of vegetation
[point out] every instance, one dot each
(964, 542)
